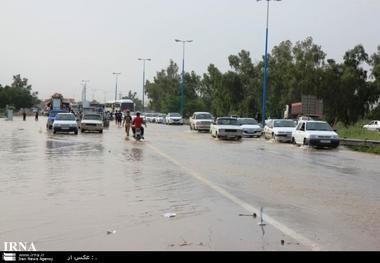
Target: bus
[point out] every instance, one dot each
(127, 104)
(120, 105)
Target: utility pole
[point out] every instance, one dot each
(143, 94)
(116, 75)
(183, 72)
(264, 109)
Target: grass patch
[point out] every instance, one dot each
(357, 132)
(375, 150)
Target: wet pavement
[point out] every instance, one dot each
(102, 192)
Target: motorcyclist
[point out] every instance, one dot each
(137, 123)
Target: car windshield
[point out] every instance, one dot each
(65, 117)
(174, 115)
(203, 116)
(227, 122)
(248, 122)
(318, 126)
(284, 123)
(92, 117)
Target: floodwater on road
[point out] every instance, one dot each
(102, 192)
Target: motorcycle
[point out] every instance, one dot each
(138, 136)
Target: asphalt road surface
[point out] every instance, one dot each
(103, 192)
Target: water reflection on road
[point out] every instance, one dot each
(67, 190)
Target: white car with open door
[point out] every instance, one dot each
(315, 134)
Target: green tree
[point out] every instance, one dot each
(18, 94)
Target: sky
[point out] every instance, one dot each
(56, 44)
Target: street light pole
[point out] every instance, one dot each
(84, 91)
(183, 72)
(143, 94)
(116, 75)
(265, 83)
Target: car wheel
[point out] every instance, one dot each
(304, 141)
(82, 130)
(76, 132)
(191, 127)
(238, 138)
(293, 140)
(101, 131)
(54, 131)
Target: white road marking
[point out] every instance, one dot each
(281, 227)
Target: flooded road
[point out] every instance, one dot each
(102, 192)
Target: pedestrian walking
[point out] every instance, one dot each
(36, 116)
(127, 122)
(24, 115)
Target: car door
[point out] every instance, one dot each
(377, 126)
(267, 129)
(302, 133)
(298, 132)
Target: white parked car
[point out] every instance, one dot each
(373, 126)
(65, 122)
(279, 130)
(149, 117)
(226, 128)
(316, 134)
(201, 121)
(160, 118)
(250, 126)
(91, 122)
(174, 118)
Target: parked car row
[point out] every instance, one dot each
(170, 118)
(67, 122)
(305, 131)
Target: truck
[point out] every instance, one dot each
(309, 107)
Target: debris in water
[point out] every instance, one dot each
(185, 244)
(170, 215)
(111, 232)
(261, 218)
(253, 215)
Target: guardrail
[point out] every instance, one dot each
(358, 142)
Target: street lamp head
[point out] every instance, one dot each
(189, 41)
(177, 40)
